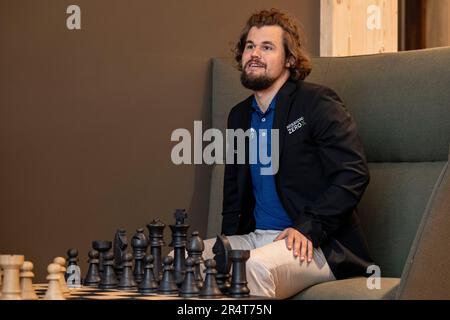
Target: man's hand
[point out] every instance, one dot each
(298, 242)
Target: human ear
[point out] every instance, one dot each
(290, 62)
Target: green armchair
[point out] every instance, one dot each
(401, 104)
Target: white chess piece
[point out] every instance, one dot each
(26, 283)
(11, 285)
(1, 277)
(54, 288)
(62, 280)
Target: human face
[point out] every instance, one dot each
(263, 59)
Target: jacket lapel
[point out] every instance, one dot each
(245, 122)
(282, 109)
(246, 116)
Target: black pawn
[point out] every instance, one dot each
(195, 250)
(127, 279)
(210, 289)
(189, 287)
(108, 276)
(72, 260)
(93, 275)
(72, 257)
(148, 283)
(168, 284)
(238, 288)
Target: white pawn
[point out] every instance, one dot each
(54, 288)
(1, 276)
(62, 280)
(26, 282)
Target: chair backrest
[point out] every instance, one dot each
(401, 104)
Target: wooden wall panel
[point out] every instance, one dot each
(437, 32)
(355, 27)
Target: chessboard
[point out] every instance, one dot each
(94, 293)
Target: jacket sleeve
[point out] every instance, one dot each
(344, 163)
(230, 205)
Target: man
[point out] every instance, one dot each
(299, 223)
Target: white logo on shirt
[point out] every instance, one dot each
(294, 126)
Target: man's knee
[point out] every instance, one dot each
(257, 265)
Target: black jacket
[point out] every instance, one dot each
(321, 178)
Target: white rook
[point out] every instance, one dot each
(11, 269)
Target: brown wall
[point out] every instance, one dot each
(86, 116)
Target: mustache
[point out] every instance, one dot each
(256, 62)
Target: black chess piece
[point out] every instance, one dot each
(93, 275)
(189, 286)
(179, 240)
(108, 279)
(195, 250)
(120, 247)
(139, 243)
(102, 247)
(148, 283)
(221, 250)
(168, 284)
(72, 257)
(210, 290)
(198, 272)
(127, 280)
(238, 288)
(72, 260)
(156, 235)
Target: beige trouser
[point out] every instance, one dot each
(272, 270)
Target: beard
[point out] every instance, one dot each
(256, 83)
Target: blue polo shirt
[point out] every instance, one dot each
(269, 212)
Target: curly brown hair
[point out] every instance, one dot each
(292, 40)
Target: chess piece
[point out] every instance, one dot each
(1, 278)
(62, 280)
(210, 290)
(195, 249)
(108, 279)
(103, 248)
(93, 275)
(11, 284)
(221, 250)
(189, 287)
(120, 247)
(179, 239)
(238, 288)
(54, 287)
(139, 243)
(73, 272)
(156, 235)
(26, 282)
(72, 259)
(148, 283)
(127, 280)
(168, 284)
